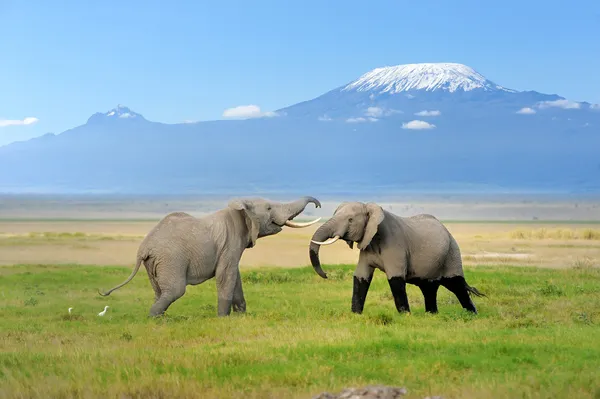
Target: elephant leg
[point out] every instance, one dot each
(169, 285)
(458, 286)
(167, 297)
(429, 290)
(398, 288)
(154, 285)
(239, 303)
(363, 275)
(226, 276)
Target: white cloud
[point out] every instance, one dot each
(564, 104)
(371, 96)
(410, 96)
(360, 119)
(189, 121)
(417, 125)
(526, 111)
(18, 122)
(246, 111)
(595, 107)
(325, 118)
(356, 120)
(429, 113)
(378, 112)
(374, 112)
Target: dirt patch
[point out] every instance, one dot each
(374, 392)
(371, 392)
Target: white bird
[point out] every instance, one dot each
(103, 312)
(70, 310)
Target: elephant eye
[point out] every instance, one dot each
(268, 208)
(350, 220)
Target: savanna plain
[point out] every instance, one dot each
(537, 334)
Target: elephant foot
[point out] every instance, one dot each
(224, 307)
(239, 308)
(429, 290)
(359, 293)
(458, 286)
(398, 288)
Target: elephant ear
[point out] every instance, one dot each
(375, 215)
(252, 221)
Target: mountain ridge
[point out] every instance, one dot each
(431, 133)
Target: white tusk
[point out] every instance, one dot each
(328, 242)
(289, 223)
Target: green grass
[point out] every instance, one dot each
(537, 336)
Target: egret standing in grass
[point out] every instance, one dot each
(103, 312)
(70, 310)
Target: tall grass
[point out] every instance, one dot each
(556, 234)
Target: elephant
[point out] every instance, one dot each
(417, 250)
(183, 250)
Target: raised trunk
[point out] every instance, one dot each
(293, 209)
(324, 232)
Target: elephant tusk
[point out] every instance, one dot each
(297, 225)
(328, 242)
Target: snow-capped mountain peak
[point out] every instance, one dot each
(449, 77)
(122, 111)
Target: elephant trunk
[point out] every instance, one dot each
(323, 233)
(293, 209)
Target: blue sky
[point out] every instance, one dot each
(190, 60)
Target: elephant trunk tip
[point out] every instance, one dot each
(104, 293)
(313, 200)
(314, 260)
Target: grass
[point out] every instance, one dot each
(537, 336)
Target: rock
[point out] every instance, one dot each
(368, 392)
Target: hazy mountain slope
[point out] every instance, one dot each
(417, 126)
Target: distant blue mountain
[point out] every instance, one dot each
(416, 127)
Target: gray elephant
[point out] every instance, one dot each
(417, 250)
(184, 250)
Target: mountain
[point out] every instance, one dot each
(420, 127)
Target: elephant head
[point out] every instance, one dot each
(352, 222)
(265, 218)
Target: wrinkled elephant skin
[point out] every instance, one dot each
(183, 250)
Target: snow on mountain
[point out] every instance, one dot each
(424, 76)
(120, 112)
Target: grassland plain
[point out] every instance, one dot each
(537, 336)
(95, 242)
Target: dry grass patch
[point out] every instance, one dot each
(555, 234)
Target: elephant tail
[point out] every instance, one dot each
(474, 291)
(138, 263)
